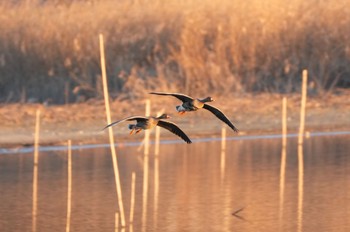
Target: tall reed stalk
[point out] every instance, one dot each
(35, 172)
(110, 132)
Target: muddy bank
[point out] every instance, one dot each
(252, 114)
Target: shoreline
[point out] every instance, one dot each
(130, 143)
(252, 114)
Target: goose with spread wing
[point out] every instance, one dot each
(145, 123)
(191, 104)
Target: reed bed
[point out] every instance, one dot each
(194, 46)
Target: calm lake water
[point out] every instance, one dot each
(193, 187)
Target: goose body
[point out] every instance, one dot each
(146, 123)
(192, 104)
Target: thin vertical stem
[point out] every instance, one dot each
(300, 187)
(302, 107)
(69, 194)
(283, 158)
(223, 151)
(144, 191)
(156, 172)
(132, 201)
(284, 121)
(156, 144)
(147, 132)
(300, 152)
(110, 132)
(35, 171)
(145, 169)
(116, 221)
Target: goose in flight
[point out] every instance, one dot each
(191, 104)
(145, 123)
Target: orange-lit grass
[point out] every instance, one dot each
(247, 45)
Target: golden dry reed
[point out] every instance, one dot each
(300, 187)
(147, 132)
(283, 159)
(284, 121)
(156, 144)
(69, 192)
(145, 168)
(35, 172)
(303, 108)
(248, 45)
(132, 197)
(110, 132)
(145, 191)
(300, 152)
(156, 170)
(116, 222)
(223, 151)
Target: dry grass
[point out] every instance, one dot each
(188, 46)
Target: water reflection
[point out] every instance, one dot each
(190, 194)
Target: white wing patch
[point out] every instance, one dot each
(180, 108)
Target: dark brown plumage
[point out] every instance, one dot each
(191, 104)
(145, 123)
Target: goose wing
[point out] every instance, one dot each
(180, 96)
(131, 118)
(220, 115)
(172, 127)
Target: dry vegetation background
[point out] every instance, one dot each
(47, 48)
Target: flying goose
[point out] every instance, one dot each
(191, 104)
(145, 123)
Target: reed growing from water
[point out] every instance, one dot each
(110, 133)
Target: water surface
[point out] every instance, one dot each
(193, 187)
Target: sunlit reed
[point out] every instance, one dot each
(145, 169)
(300, 150)
(302, 108)
(132, 197)
(147, 132)
(300, 187)
(156, 172)
(156, 144)
(284, 121)
(283, 159)
(69, 192)
(35, 171)
(116, 221)
(145, 191)
(110, 131)
(223, 151)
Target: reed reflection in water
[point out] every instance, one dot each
(191, 192)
